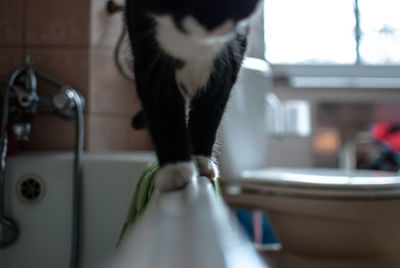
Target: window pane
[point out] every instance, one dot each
(310, 31)
(380, 26)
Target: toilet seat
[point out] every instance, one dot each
(322, 183)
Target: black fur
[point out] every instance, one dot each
(164, 112)
(139, 121)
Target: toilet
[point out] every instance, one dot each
(329, 214)
(322, 218)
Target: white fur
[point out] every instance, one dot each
(206, 167)
(193, 76)
(196, 47)
(175, 176)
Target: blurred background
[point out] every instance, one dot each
(343, 58)
(340, 57)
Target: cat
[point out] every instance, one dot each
(187, 55)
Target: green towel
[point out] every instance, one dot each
(143, 192)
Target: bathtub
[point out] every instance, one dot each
(39, 200)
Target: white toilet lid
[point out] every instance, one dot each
(322, 182)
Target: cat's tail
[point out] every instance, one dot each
(139, 120)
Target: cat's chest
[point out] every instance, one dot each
(193, 76)
(196, 52)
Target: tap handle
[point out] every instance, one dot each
(64, 102)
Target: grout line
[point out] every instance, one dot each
(93, 46)
(57, 46)
(12, 46)
(47, 46)
(110, 114)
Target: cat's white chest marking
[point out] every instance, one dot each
(197, 48)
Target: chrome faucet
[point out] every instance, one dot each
(27, 100)
(24, 89)
(21, 101)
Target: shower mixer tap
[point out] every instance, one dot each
(27, 101)
(21, 102)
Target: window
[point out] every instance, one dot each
(338, 38)
(380, 31)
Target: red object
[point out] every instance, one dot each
(387, 134)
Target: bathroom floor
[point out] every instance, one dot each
(278, 259)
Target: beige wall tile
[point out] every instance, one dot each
(139, 140)
(69, 66)
(114, 133)
(10, 60)
(11, 21)
(61, 22)
(51, 133)
(105, 29)
(106, 133)
(110, 92)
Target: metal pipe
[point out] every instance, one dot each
(70, 103)
(8, 228)
(51, 80)
(187, 228)
(77, 182)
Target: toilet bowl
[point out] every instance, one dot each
(323, 218)
(328, 213)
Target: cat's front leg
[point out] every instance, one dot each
(165, 112)
(167, 125)
(208, 106)
(204, 118)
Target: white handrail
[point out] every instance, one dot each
(190, 228)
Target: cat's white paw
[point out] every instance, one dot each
(175, 176)
(206, 167)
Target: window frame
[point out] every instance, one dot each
(347, 75)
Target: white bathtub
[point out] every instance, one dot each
(45, 223)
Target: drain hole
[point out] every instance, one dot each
(30, 188)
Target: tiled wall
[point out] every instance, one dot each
(73, 40)
(11, 14)
(112, 100)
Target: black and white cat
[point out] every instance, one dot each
(187, 57)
